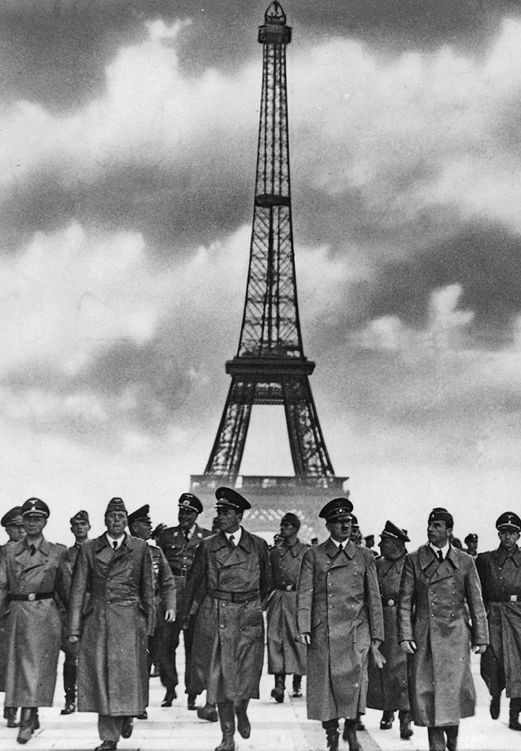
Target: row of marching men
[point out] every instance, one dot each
(357, 626)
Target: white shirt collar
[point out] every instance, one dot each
(444, 550)
(236, 536)
(111, 540)
(338, 543)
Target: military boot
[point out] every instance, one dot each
(297, 686)
(208, 712)
(243, 723)
(280, 686)
(26, 725)
(386, 722)
(515, 708)
(227, 720)
(331, 728)
(10, 716)
(451, 731)
(349, 735)
(405, 718)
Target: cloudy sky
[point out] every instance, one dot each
(127, 155)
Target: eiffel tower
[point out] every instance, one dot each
(270, 367)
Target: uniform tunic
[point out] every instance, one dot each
(338, 603)
(231, 582)
(164, 597)
(179, 552)
(388, 685)
(436, 599)
(285, 654)
(33, 626)
(500, 575)
(112, 664)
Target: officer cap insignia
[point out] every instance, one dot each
(337, 510)
(190, 502)
(35, 506)
(228, 497)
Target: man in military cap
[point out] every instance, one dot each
(339, 617)
(232, 573)
(500, 574)
(388, 689)
(179, 544)
(33, 578)
(439, 588)
(140, 526)
(12, 522)
(114, 571)
(471, 541)
(285, 654)
(80, 527)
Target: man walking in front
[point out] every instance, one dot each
(438, 590)
(285, 654)
(500, 574)
(232, 574)
(339, 617)
(115, 571)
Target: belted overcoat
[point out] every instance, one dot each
(388, 688)
(228, 648)
(112, 663)
(440, 607)
(285, 653)
(338, 603)
(33, 626)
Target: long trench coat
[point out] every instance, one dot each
(228, 648)
(285, 653)
(388, 688)
(338, 603)
(500, 575)
(436, 599)
(112, 663)
(33, 627)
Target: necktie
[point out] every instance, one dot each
(440, 556)
(33, 550)
(232, 541)
(115, 544)
(340, 548)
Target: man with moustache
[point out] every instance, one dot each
(232, 574)
(33, 579)
(80, 527)
(388, 689)
(179, 544)
(339, 617)
(114, 572)
(439, 588)
(285, 654)
(500, 574)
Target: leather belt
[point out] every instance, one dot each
(32, 596)
(388, 602)
(220, 594)
(180, 571)
(287, 588)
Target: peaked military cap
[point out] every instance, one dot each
(338, 508)
(230, 497)
(391, 530)
(191, 502)
(13, 516)
(440, 514)
(35, 506)
(354, 521)
(471, 537)
(140, 514)
(158, 529)
(80, 516)
(115, 504)
(509, 520)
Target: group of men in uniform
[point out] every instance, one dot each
(392, 632)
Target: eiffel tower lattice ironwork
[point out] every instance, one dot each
(270, 366)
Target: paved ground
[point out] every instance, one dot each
(276, 727)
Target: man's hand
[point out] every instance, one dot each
(478, 649)
(170, 616)
(185, 622)
(378, 658)
(73, 639)
(408, 646)
(304, 638)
